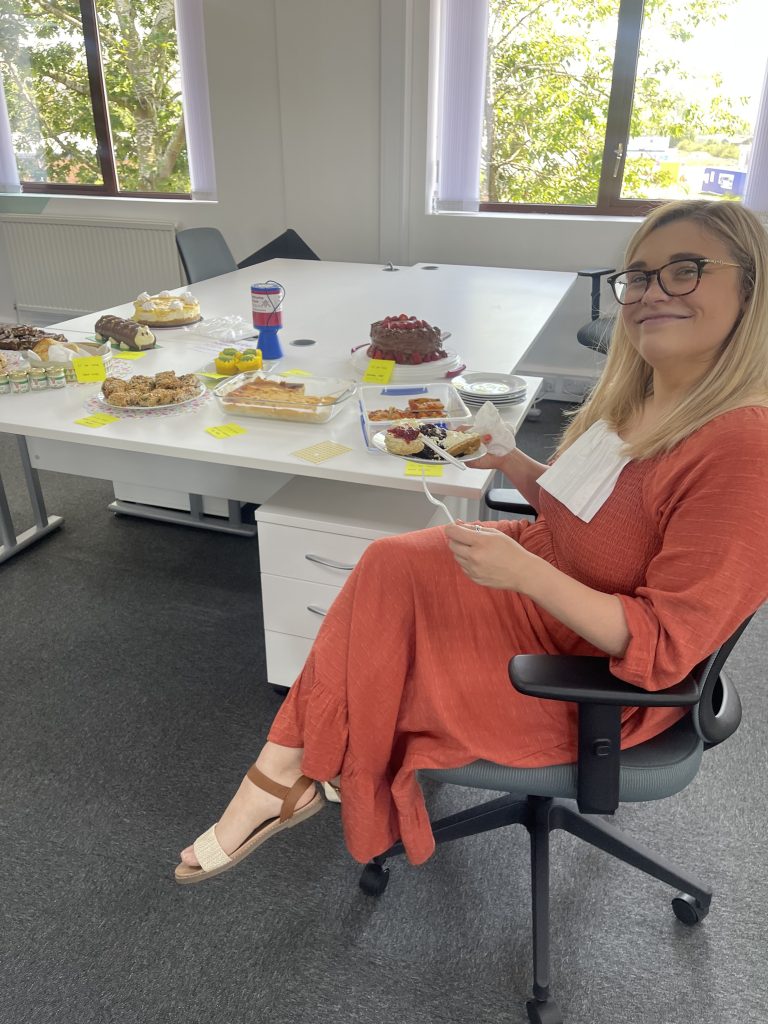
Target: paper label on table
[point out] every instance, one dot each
(216, 376)
(89, 369)
(226, 430)
(379, 371)
(296, 373)
(99, 419)
(420, 469)
(129, 355)
(322, 451)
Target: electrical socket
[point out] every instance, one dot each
(565, 389)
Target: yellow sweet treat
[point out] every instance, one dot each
(249, 361)
(166, 310)
(226, 364)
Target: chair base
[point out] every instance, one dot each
(540, 816)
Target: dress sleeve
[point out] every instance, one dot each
(711, 571)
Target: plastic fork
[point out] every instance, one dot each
(434, 500)
(442, 452)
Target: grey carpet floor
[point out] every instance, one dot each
(133, 698)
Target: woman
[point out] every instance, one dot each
(651, 546)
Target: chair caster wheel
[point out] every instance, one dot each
(374, 878)
(543, 1013)
(688, 909)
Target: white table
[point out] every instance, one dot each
(494, 316)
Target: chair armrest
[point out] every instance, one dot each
(589, 681)
(507, 499)
(600, 697)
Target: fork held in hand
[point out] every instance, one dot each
(435, 501)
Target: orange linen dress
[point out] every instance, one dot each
(409, 669)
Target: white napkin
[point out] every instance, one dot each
(488, 421)
(584, 476)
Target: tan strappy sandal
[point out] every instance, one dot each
(213, 860)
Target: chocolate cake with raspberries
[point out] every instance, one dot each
(405, 339)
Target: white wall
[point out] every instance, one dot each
(296, 102)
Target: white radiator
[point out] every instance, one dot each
(63, 268)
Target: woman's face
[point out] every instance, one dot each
(684, 333)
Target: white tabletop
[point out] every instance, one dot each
(493, 315)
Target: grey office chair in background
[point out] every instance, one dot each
(603, 777)
(204, 252)
(597, 333)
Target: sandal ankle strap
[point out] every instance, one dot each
(289, 795)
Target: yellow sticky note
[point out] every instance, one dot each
(379, 371)
(296, 373)
(129, 355)
(99, 419)
(89, 369)
(226, 430)
(422, 469)
(322, 451)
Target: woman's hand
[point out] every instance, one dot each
(489, 557)
(486, 461)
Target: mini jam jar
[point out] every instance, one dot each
(19, 382)
(38, 381)
(5, 383)
(56, 378)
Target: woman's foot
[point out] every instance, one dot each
(251, 806)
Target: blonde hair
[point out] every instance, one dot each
(738, 377)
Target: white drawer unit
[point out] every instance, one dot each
(311, 535)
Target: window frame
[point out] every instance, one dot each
(609, 202)
(104, 148)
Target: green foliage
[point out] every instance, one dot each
(42, 61)
(548, 83)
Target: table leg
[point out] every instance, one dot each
(11, 543)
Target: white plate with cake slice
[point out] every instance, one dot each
(422, 373)
(430, 459)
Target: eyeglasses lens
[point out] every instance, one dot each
(678, 278)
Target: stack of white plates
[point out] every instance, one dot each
(422, 373)
(500, 388)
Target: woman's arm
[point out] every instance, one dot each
(520, 469)
(492, 559)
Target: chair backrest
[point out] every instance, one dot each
(718, 713)
(288, 246)
(204, 253)
(596, 333)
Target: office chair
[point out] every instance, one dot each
(603, 776)
(288, 246)
(597, 333)
(204, 253)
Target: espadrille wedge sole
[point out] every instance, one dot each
(214, 861)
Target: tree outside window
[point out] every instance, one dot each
(610, 105)
(94, 96)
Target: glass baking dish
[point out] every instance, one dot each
(383, 405)
(273, 396)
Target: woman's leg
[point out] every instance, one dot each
(250, 806)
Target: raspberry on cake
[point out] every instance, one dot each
(166, 310)
(406, 339)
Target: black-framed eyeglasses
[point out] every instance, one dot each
(678, 277)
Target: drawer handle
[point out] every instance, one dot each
(329, 562)
(317, 609)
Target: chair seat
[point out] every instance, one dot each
(658, 768)
(597, 333)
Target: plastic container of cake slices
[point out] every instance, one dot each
(273, 396)
(385, 404)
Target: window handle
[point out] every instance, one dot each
(618, 153)
(329, 562)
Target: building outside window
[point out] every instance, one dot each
(93, 97)
(598, 106)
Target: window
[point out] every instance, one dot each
(601, 106)
(93, 98)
